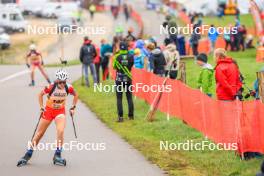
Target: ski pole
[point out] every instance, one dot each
(37, 125)
(73, 124)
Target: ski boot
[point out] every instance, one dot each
(131, 117)
(32, 84)
(120, 119)
(58, 160)
(24, 160)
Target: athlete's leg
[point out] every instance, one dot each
(86, 76)
(43, 125)
(119, 95)
(129, 100)
(32, 75)
(93, 71)
(41, 69)
(60, 122)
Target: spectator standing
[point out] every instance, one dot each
(126, 11)
(242, 33)
(92, 10)
(212, 35)
(205, 80)
(158, 61)
(87, 55)
(97, 63)
(172, 58)
(138, 59)
(227, 38)
(105, 52)
(130, 36)
(194, 40)
(181, 48)
(150, 48)
(227, 76)
(123, 63)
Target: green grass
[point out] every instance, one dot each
(70, 63)
(146, 136)
(246, 61)
(227, 20)
(8, 56)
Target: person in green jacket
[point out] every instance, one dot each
(205, 80)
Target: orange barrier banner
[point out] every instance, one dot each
(224, 122)
(260, 54)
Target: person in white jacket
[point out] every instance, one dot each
(172, 58)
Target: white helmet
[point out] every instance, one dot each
(32, 47)
(61, 75)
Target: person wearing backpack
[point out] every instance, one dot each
(123, 63)
(87, 55)
(54, 110)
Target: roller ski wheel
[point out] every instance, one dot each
(23, 161)
(57, 160)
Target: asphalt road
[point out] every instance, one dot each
(19, 114)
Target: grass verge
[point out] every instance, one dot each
(146, 137)
(69, 63)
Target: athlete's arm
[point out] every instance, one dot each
(74, 103)
(27, 61)
(75, 100)
(42, 93)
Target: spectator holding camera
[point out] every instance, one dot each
(227, 76)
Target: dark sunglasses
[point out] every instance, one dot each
(62, 82)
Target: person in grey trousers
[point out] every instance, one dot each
(87, 55)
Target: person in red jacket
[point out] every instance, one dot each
(97, 63)
(227, 76)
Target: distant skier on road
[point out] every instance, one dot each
(34, 60)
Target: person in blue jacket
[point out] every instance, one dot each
(138, 59)
(212, 35)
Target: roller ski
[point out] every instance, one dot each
(24, 160)
(58, 160)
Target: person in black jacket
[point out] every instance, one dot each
(158, 62)
(194, 40)
(87, 55)
(123, 63)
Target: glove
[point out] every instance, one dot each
(72, 109)
(28, 66)
(42, 110)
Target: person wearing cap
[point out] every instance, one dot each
(88, 54)
(227, 76)
(123, 62)
(205, 79)
(138, 59)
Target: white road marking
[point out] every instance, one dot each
(14, 75)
